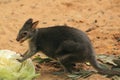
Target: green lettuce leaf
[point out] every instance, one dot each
(11, 69)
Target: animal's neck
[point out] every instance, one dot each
(34, 33)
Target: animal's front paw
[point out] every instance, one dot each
(20, 60)
(21, 55)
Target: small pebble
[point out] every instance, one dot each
(44, 22)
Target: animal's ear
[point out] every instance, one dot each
(29, 21)
(35, 24)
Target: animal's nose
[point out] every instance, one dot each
(17, 39)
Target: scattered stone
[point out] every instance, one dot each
(54, 20)
(21, 5)
(90, 29)
(98, 37)
(70, 20)
(44, 23)
(95, 21)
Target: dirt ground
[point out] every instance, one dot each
(101, 18)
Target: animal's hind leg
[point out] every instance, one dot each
(66, 63)
(65, 54)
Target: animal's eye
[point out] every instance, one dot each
(24, 33)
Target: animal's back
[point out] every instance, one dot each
(61, 33)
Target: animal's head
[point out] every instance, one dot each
(27, 31)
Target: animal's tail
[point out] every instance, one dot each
(101, 70)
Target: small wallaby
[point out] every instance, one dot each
(65, 44)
